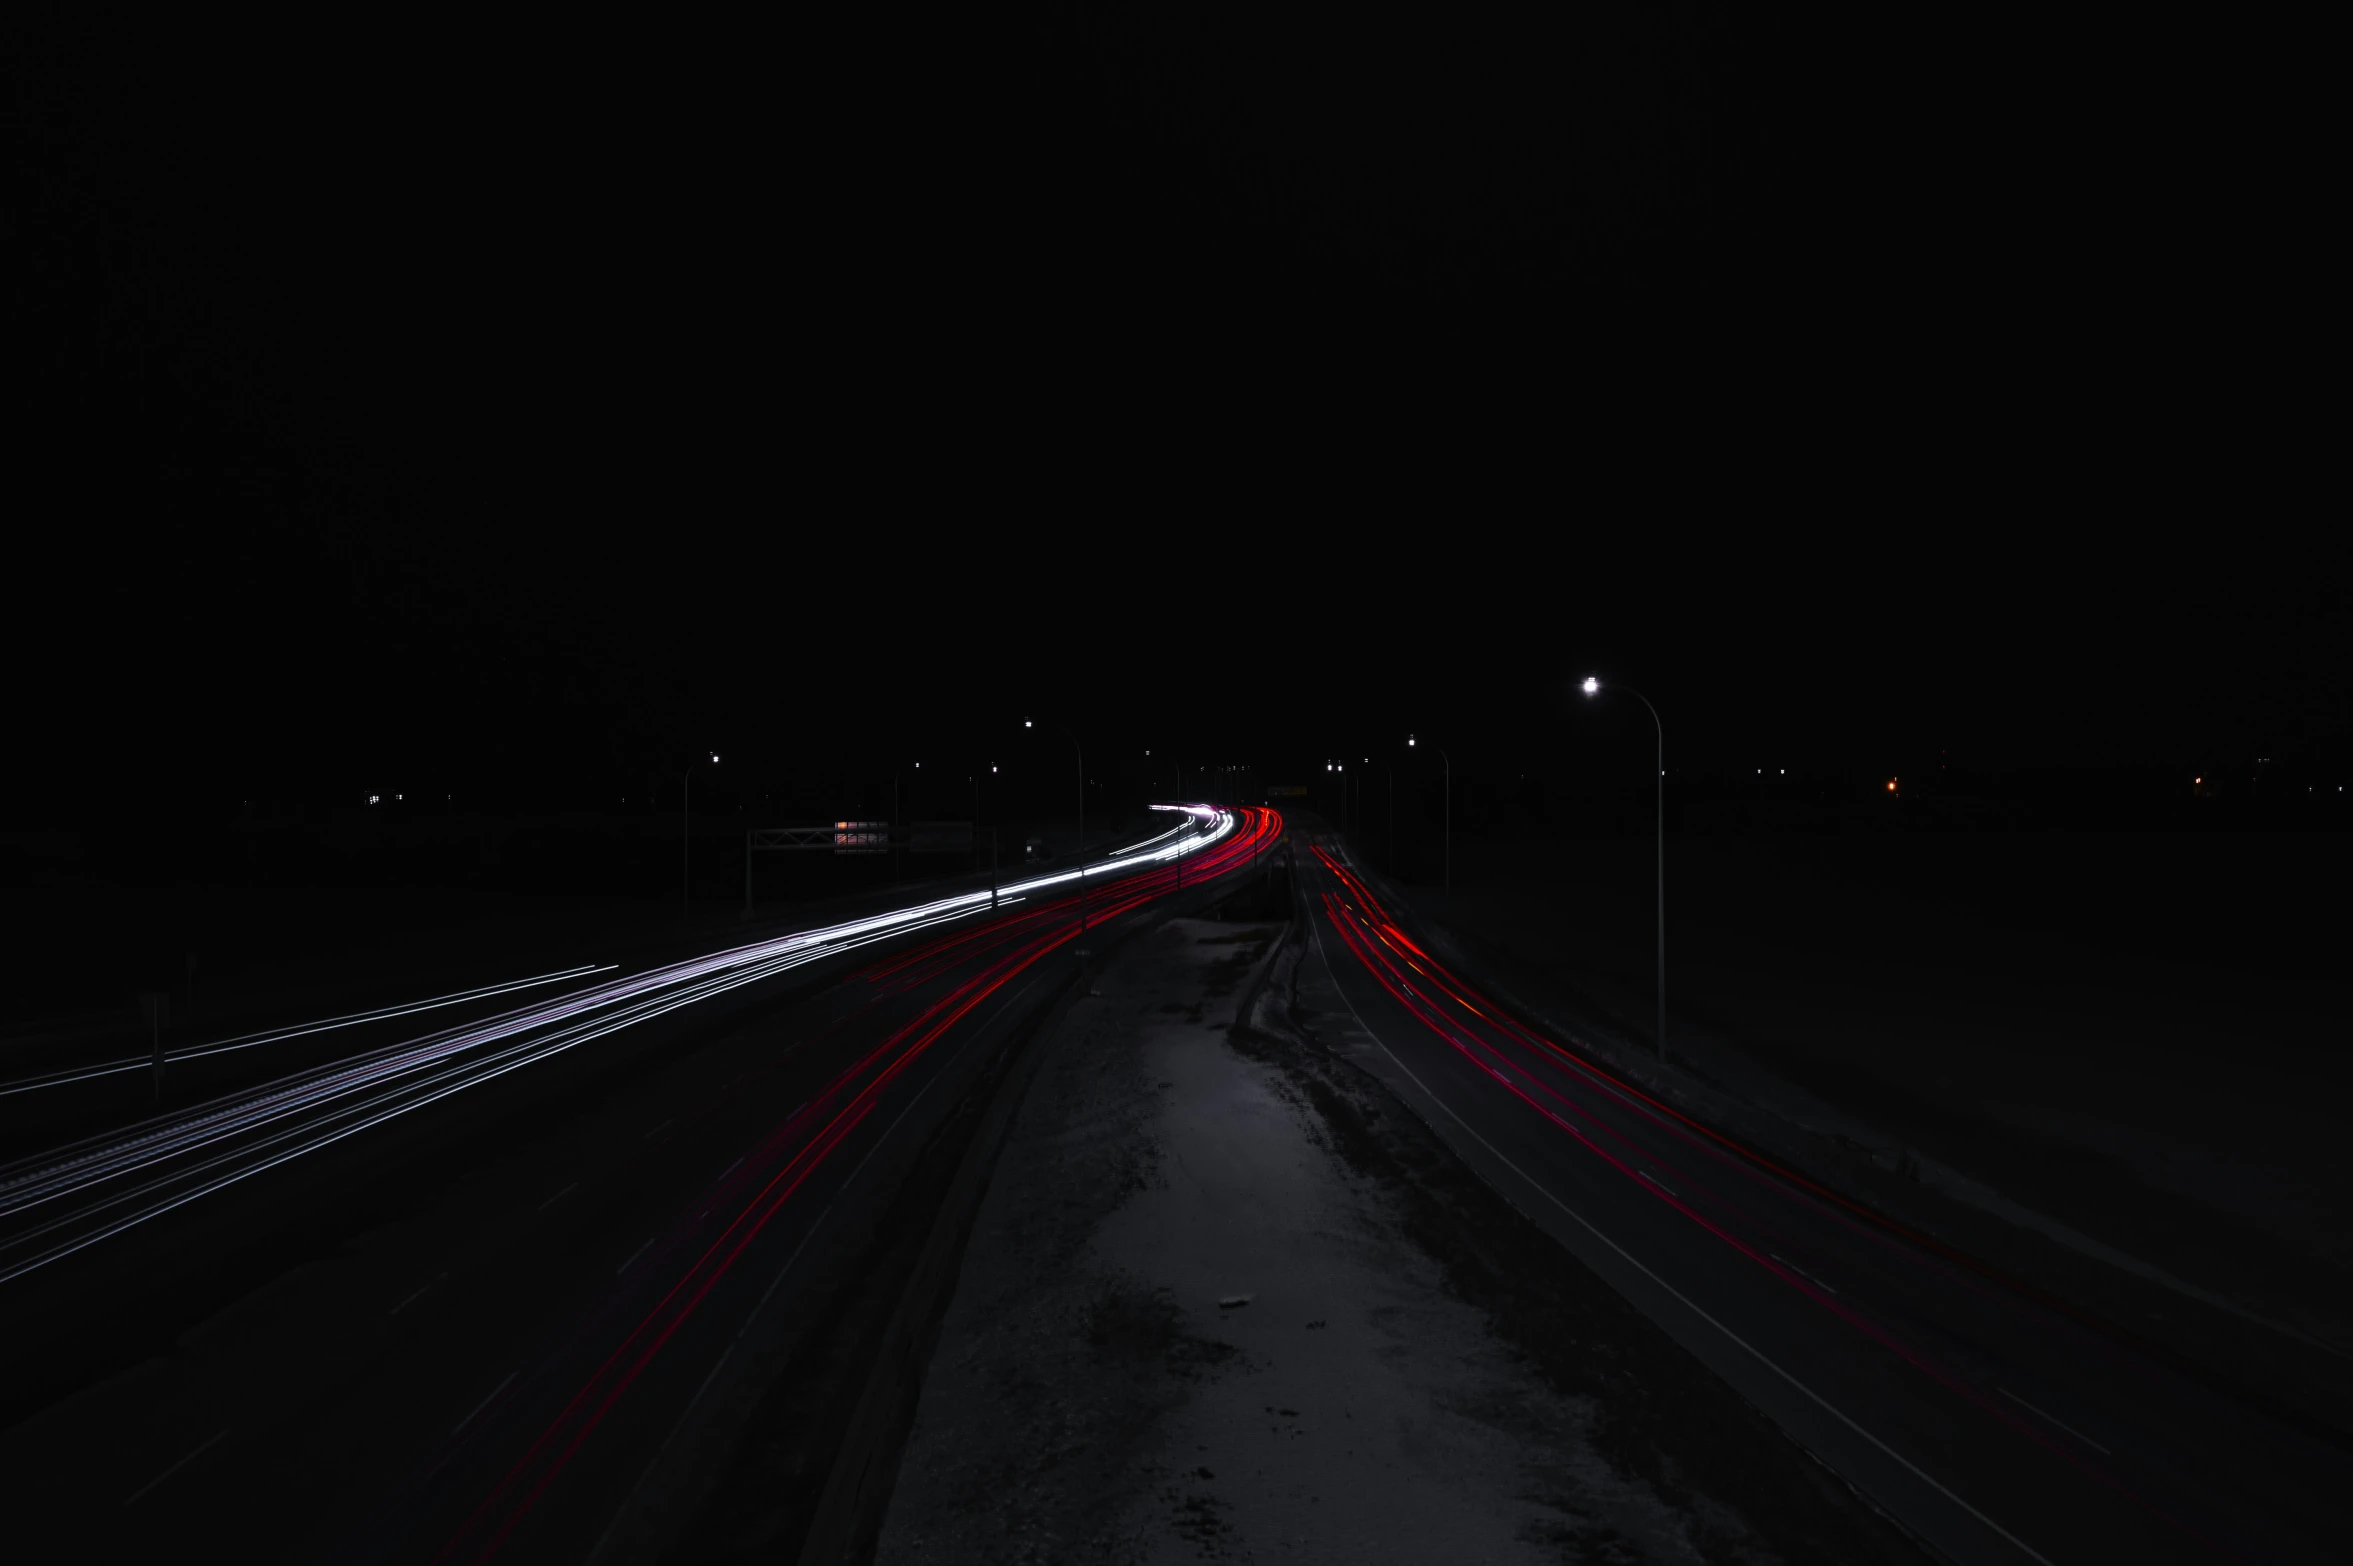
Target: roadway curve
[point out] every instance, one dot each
(1995, 1426)
(456, 1297)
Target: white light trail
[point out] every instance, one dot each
(150, 1169)
(299, 1030)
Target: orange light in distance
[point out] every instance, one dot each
(1891, 785)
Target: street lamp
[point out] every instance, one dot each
(1448, 798)
(1592, 687)
(1341, 767)
(1080, 752)
(686, 836)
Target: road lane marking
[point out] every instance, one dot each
(485, 1403)
(2062, 1424)
(175, 1468)
(1820, 1401)
(730, 1169)
(1661, 1184)
(658, 1130)
(412, 1299)
(633, 1255)
(1800, 1271)
(559, 1196)
(824, 1214)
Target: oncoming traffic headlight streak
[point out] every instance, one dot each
(344, 1097)
(301, 1030)
(777, 1169)
(1148, 842)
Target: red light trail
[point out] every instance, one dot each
(1504, 1050)
(1013, 942)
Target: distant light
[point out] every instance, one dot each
(1025, 723)
(2197, 780)
(714, 758)
(375, 799)
(1591, 685)
(1891, 785)
(1785, 772)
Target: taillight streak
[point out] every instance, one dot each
(1475, 1051)
(855, 1090)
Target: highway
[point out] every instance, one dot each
(1996, 1427)
(507, 1288)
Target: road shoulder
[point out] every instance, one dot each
(1226, 1298)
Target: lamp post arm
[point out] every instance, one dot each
(1661, 728)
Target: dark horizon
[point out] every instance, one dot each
(433, 415)
(571, 994)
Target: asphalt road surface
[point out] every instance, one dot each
(1996, 1427)
(495, 1290)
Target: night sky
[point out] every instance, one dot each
(532, 408)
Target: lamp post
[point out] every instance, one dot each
(1592, 687)
(1448, 798)
(686, 836)
(1346, 814)
(1080, 752)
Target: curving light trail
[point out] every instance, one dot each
(765, 1181)
(1752, 1214)
(65, 1200)
(298, 1030)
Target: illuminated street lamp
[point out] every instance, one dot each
(1592, 687)
(1080, 752)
